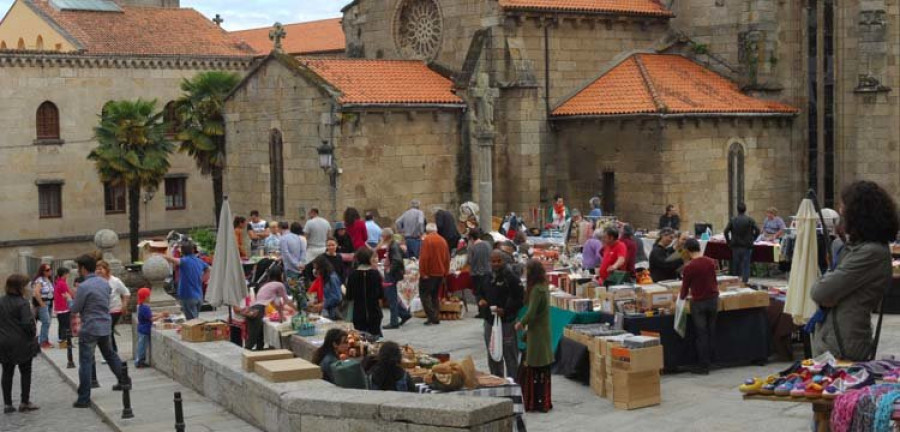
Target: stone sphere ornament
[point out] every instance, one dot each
(156, 269)
(106, 239)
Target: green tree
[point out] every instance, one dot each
(201, 124)
(133, 152)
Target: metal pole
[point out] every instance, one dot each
(179, 413)
(127, 413)
(71, 362)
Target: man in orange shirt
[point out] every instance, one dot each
(434, 265)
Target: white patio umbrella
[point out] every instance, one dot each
(226, 282)
(804, 266)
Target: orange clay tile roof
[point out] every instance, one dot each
(143, 31)
(622, 7)
(664, 84)
(383, 81)
(314, 37)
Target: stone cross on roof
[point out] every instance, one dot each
(276, 35)
(218, 20)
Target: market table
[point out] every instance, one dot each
(821, 408)
(742, 337)
(762, 253)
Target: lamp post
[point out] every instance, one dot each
(328, 164)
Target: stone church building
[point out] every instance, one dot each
(698, 103)
(60, 62)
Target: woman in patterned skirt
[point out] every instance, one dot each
(534, 374)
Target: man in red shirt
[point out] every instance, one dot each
(434, 266)
(614, 254)
(699, 279)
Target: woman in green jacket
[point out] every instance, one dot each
(534, 374)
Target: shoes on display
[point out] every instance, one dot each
(784, 389)
(751, 386)
(857, 377)
(892, 376)
(799, 389)
(833, 390)
(813, 390)
(792, 370)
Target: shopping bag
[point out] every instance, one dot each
(496, 346)
(680, 317)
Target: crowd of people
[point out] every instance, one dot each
(315, 261)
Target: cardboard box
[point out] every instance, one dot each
(250, 358)
(198, 330)
(598, 375)
(295, 369)
(637, 359)
(632, 390)
(758, 299)
(658, 300)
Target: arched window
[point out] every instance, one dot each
(3, 45)
(47, 121)
(276, 172)
(21, 45)
(735, 177)
(170, 117)
(39, 44)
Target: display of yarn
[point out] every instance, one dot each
(815, 378)
(868, 408)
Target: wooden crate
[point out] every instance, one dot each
(250, 358)
(295, 369)
(632, 390)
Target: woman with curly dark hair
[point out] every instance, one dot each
(853, 290)
(356, 228)
(387, 374)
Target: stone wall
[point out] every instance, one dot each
(276, 99)
(214, 370)
(656, 164)
(79, 92)
(389, 158)
(385, 158)
(632, 151)
(867, 35)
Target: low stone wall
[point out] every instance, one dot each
(214, 370)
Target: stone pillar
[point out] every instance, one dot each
(155, 270)
(485, 142)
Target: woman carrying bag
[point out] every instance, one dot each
(534, 373)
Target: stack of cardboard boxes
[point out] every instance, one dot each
(198, 330)
(279, 366)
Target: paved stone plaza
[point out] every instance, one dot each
(689, 402)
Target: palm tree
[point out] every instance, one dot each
(201, 128)
(133, 152)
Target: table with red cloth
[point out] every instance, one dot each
(456, 282)
(720, 251)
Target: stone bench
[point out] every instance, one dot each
(214, 370)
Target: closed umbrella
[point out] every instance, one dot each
(226, 282)
(804, 266)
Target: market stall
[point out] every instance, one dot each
(843, 396)
(763, 252)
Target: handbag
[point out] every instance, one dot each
(680, 317)
(495, 347)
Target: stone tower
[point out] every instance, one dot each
(152, 3)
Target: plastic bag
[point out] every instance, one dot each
(680, 317)
(496, 346)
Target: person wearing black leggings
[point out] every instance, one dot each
(18, 343)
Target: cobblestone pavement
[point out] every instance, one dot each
(55, 399)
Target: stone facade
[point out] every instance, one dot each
(79, 86)
(537, 60)
(386, 157)
(680, 163)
